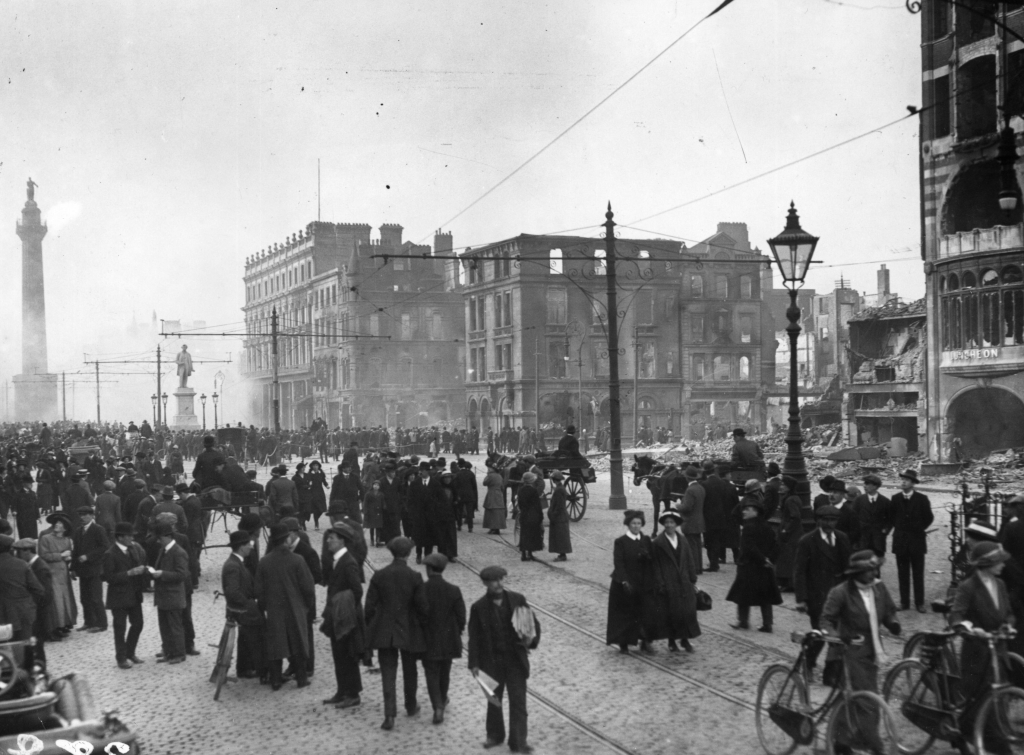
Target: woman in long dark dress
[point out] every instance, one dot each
(675, 579)
(559, 539)
(629, 599)
(791, 529)
(755, 583)
(531, 518)
(318, 499)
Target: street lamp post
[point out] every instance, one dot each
(202, 399)
(155, 401)
(163, 397)
(793, 250)
(215, 397)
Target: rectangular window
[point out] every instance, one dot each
(499, 357)
(648, 360)
(508, 356)
(471, 376)
(600, 262)
(401, 264)
(508, 308)
(557, 357)
(938, 119)
(406, 327)
(697, 328)
(644, 305)
(698, 367)
(722, 367)
(482, 358)
(670, 306)
(481, 313)
(555, 261)
(746, 328)
(498, 319)
(696, 286)
(746, 287)
(557, 304)
(436, 326)
(471, 306)
(937, 20)
(597, 311)
(600, 362)
(374, 325)
(722, 286)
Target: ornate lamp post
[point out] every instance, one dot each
(202, 398)
(163, 397)
(155, 401)
(793, 250)
(1007, 158)
(215, 397)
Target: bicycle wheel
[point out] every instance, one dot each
(999, 726)
(864, 722)
(912, 648)
(782, 692)
(224, 653)
(1015, 669)
(913, 697)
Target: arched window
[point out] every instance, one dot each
(989, 277)
(744, 368)
(697, 286)
(1012, 274)
(954, 282)
(970, 280)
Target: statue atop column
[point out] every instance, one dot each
(31, 189)
(184, 360)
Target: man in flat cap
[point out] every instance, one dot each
(822, 556)
(446, 620)
(124, 571)
(499, 646)
(396, 606)
(239, 588)
(46, 618)
(91, 543)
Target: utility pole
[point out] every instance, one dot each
(159, 413)
(636, 383)
(97, 393)
(536, 379)
(276, 385)
(617, 499)
(64, 395)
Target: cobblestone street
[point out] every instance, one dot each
(584, 696)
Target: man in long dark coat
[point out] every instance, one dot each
(26, 509)
(446, 620)
(343, 616)
(720, 498)
(468, 494)
(874, 511)
(285, 591)
(821, 558)
(91, 545)
(347, 489)
(124, 571)
(911, 517)
(239, 589)
(19, 591)
(25, 549)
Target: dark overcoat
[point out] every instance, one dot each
(373, 510)
(417, 518)
(170, 588)
(675, 577)
(531, 519)
(755, 583)
(875, 522)
(19, 592)
(490, 629)
(631, 595)
(846, 614)
(911, 517)
(818, 569)
(791, 530)
(46, 610)
(973, 603)
(91, 542)
(285, 591)
(446, 619)
(345, 574)
(239, 587)
(396, 607)
(124, 591)
(559, 540)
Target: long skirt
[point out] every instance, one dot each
(66, 610)
(494, 519)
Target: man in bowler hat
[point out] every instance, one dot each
(91, 544)
(446, 620)
(124, 571)
(239, 588)
(170, 576)
(911, 518)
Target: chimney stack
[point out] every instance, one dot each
(883, 285)
(442, 242)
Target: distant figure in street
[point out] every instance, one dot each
(755, 575)
(25, 549)
(502, 631)
(746, 454)
(446, 620)
(20, 591)
(170, 578)
(675, 577)
(343, 616)
(209, 465)
(531, 518)
(495, 510)
(559, 540)
(568, 446)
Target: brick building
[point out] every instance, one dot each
(690, 333)
(973, 79)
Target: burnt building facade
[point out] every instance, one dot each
(691, 333)
(363, 340)
(973, 79)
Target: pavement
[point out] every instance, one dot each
(585, 697)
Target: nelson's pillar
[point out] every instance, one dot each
(35, 390)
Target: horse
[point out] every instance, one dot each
(646, 469)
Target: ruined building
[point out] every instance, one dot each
(973, 81)
(364, 341)
(885, 397)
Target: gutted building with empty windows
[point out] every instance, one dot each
(693, 345)
(973, 77)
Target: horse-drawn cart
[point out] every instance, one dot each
(578, 473)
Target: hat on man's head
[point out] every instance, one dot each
(556, 475)
(739, 431)
(692, 473)
(571, 430)
(530, 459)
(981, 531)
(436, 561)
(82, 510)
(873, 479)
(863, 561)
(827, 512)
(6, 543)
(250, 522)
(492, 573)
(25, 544)
(825, 483)
(529, 478)
(400, 547)
(109, 484)
(278, 534)
(335, 509)
(343, 531)
(238, 538)
(123, 528)
(425, 466)
(910, 474)
(672, 514)
(754, 484)
(140, 484)
(163, 529)
(291, 523)
(773, 469)
(167, 492)
(837, 486)
(209, 441)
(986, 554)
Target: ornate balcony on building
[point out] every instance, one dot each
(997, 239)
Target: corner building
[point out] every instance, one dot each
(973, 79)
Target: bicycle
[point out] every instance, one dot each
(225, 650)
(786, 717)
(929, 704)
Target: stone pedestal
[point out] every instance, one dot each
(185, 418)
(35, 398)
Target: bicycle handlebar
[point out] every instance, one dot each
(820, 636)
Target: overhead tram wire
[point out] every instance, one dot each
(587, 114)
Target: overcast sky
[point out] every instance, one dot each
(171, 140)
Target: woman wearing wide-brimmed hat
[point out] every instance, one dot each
(981, 605)
(755, 583)
(56, 549)
(675, 577)
(632, 589)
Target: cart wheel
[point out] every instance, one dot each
(576, 498)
